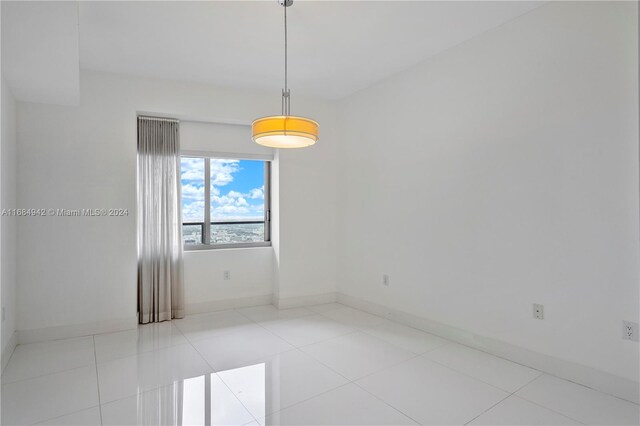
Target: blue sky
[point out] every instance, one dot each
(237, 189)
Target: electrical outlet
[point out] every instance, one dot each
(630, 330)
(385, 280)
(538, 311)
(227, 275)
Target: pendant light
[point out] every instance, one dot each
(286, 130)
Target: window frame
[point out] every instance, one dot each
(208, 155)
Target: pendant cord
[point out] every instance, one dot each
(285, 49)
(286, 100)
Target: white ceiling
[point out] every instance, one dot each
(335, 48)
(40, 51)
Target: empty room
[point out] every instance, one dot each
(296, 212)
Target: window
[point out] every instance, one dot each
(225, 202)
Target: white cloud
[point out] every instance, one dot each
(233, 198)
(193, 212)
(225, 211)
(256, 193)
(222, 171)
(192, 169)
(192, 192)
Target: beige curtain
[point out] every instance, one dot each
(160, 276)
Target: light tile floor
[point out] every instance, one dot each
(321, 365)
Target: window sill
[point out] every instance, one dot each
(215, 247)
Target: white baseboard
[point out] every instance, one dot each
(295, 302)
(587, 376)
(8, 350)
(75, 330)
(220, 305)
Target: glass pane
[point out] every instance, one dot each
(237, 197)
(192, 178)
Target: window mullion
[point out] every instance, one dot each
(206, 238)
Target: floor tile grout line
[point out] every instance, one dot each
(140, 353)
(387, 403)
(319, 341)
(151, 389)
(82, 409)
(388, 367)
(538, 404)
(348, 381)
(154, 388)
(236, 397)
(423, 355)
(489, 408)
(353, 382)
(450, 341)
(513, 394)
(590, 388)
(307, 399)
(221, 379)
(97, 377)
(473, 377)
(505, 398)
(445, 343)
(484, 352)
(300, 348)
(64, 415)
(189, 341)
(238, 310)
(343, 306)
(329, 390)
(4, 382)
(289, 350)
(46, 374)
(171, 345)
(548, 408)
(307, 344)
(527, 384)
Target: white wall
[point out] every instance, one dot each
(502, 173)
(83, 270)
(8, 223)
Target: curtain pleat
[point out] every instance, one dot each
(160, 265)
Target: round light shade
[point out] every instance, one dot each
(285, 131)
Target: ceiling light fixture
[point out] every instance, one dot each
(285, 131)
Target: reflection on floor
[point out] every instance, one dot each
(321, 365)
